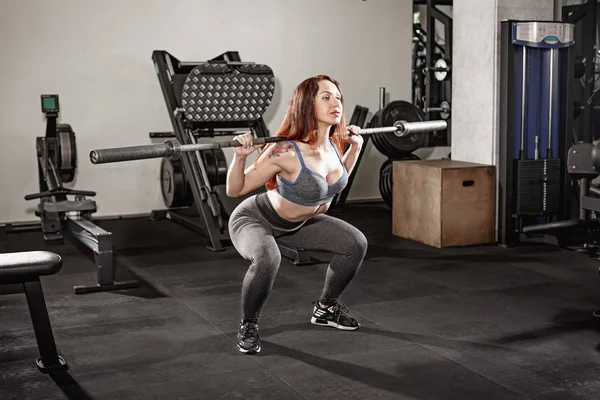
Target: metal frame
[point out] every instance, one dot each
(507, 235)
(213, 224)
(212, 221)
(59, 215)
(585, 17)
(433, 102)
(49, 360)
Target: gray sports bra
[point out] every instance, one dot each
(310, 188)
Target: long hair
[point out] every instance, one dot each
(300, 122)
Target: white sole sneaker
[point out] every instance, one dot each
(331, 324)
(242, 350)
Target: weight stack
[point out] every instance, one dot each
(534, 140)
(538, 186)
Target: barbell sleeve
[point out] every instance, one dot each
(170, 148)
(374, 131)
(413, 128)
(403, 128)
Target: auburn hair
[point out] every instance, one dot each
(300, 121)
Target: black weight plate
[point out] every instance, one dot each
(390, 150)
(221, 166)
(175, 189)
(384, 184)
(208, 157)
(386, 146)
(375, 123)
(400, 110)
(386, 178)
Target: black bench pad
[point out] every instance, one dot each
(28, 266)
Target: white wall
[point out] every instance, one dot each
(97, 56)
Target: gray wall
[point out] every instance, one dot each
(96, 56)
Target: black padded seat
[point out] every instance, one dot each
(26, 268)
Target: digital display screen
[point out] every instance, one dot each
(49, 103)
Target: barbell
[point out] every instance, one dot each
(172, 149)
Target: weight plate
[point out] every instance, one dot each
(216, 166)
(208, 158)
(175, 190)
(386, 178)
(375, 123)
(445, 113)
(390, 149)
(441, 64)
(400, 110)
(221, 166)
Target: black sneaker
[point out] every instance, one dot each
(336, 316)
(248, 339)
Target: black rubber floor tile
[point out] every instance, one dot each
(485, 313)
(251, 383)
(129, 233)
(223, 303)
(548, 366)
(165, 256)
(565, 265)
(22, 380)
(380, 283)
(466, 276)
(409, 372)
(152, 355)
(296, 332)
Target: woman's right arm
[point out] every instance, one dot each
(241, 181)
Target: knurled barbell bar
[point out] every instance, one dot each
(172, 149)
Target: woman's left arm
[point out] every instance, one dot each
(351, 155)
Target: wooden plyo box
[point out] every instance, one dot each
(444, 203)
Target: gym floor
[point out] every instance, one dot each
(481, 322)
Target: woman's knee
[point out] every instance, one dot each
(267, 257)
(360, 243)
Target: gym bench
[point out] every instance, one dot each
(26, 268)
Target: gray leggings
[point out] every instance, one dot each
(254, 228)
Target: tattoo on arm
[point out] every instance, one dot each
(279, 148)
